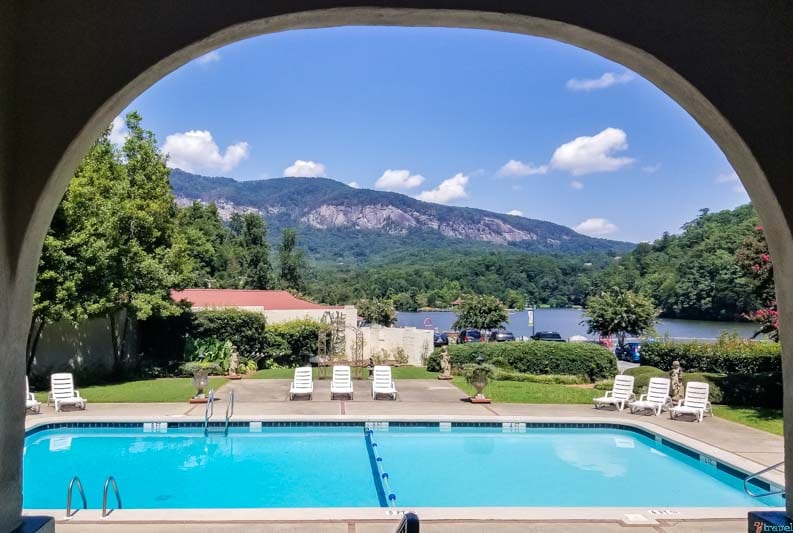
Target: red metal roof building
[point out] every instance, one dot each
(268, 300)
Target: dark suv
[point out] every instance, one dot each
(440, 339)
(551, 336)
(501, 335)
(469, 335)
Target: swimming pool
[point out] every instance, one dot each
(332, 464)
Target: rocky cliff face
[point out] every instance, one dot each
(320, 204)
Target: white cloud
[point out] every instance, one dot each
(206, 59)
(651, 169)
(450, 189)
(196, 150)
(596, 227)
(118, 131)
(305, 169)
(577, 185)
(731, 178)
(585, 155)
(398, 179)
(606, 80)
(519, 168)
(515, 213)
(354, 185)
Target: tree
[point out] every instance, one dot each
(148, 256)
(481, 312)
(755, 260)
(291, 261)
(254, 251)
(377, 311)
(75, 258)
(209, 245)
(620, 313)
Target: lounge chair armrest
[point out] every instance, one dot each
(76, 393)
(608, 394)
(679, 403)
(642, 397)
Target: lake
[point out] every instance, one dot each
(567, 323)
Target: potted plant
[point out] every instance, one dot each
(478, 376)
(200, 370)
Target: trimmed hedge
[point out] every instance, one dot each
(555, 379)
(534, 357)
(763, 389)
(728, 356)
(292, 343)
(245, 329)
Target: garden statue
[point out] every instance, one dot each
(446, 367)
(370, 368)
(234, 363)
(676, 381)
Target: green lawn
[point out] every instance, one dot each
(401, 372)
(527, 392)
(762, 418)
(143, 391)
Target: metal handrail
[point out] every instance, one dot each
(75, 480)
(408, 524)
(229, 410)
(757, 474)
(108, 481)
(209, 411)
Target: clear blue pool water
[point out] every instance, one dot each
(333, 467)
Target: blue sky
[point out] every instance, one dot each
(466, 117)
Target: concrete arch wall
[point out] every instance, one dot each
(67, 68)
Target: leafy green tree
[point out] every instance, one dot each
(377, 311)
(620, 313)
(755, 260)
(148, 256)
(71, 279)
(254, 252)
(292, 262)
(209, 245)
(515, 299)
(481, 312)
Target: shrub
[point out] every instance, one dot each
(536, 357)
(763, 389)
(557, 379)
(604, 384)
(292, 343)
(245, 329)
(728, 356)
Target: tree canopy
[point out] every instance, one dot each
(481, 312)
(619, 313)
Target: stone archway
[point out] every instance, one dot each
(66, 69)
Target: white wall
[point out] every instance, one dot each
(87, 346)
(417, 343)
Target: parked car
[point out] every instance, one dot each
(501, 335)
(469, 335)
(440, 339)
(632, 352)
(551, 336)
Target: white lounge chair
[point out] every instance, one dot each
(30, 401)
(657, 397)
(62, 392)
(620, 394)
(382, 382)
(342, 381)
(302, 383)
(695, 401)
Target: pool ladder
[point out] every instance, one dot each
(210, 411)
(760, 473)
(110, 481)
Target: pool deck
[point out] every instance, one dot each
(422, 399)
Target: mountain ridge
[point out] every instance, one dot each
(321, 206)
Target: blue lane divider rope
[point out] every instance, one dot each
(384, 478)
